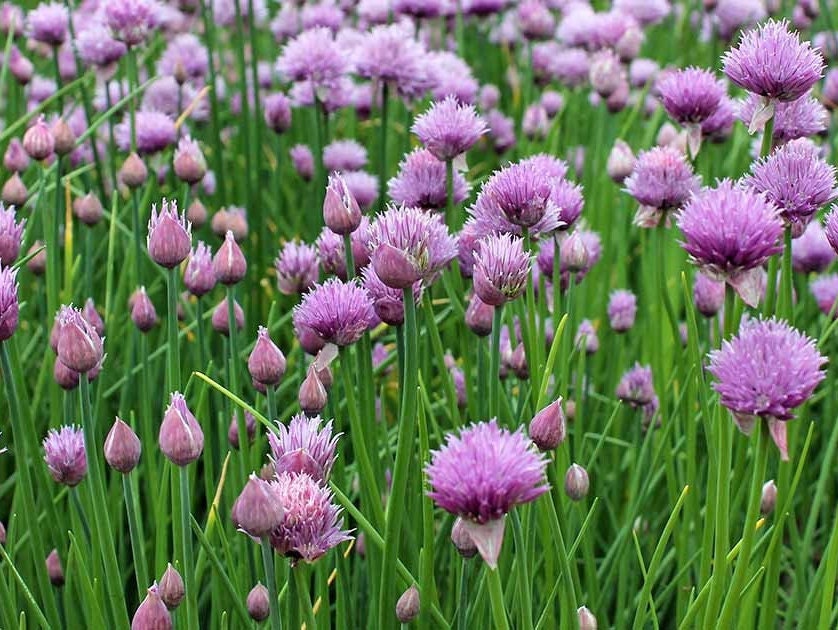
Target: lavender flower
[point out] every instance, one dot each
(96, 46)
(65, 455)
(812, 251)
(304, 447)
(501, 268)
(155, 132)
(796, 119)
(635, 387)
(313, 56)
(729, 232)
(765, 371)
(338, 312)
(796, 180)
(48, 24)
(198, 276)
(708, 294)
(363, 186)
(690, 96)
(312, 525)
(391, 55)
(662, 179)
(169, 235)
(11, 234)
(622, 309)
(296, 268)
(520, 193)
(303, 161)
(131, 20)
(387, 302)
(421, 182)
(449, 129)
(185, 57)
(586, 338)
(481, 475)
(825, 291)
(344, 155)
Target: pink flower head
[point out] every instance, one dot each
(66, 455)
(304, 447)
(449, 129)
(338, 312)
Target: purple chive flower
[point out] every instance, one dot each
(16, 159)
(535, 123)
(79, 346)
(266, 362)
(312, 524)
(96, 46)
(622, 309)
(586, 338)
(765, 371)
(313, 56)
(535, 19)
(66, 455)
(221, 317)
(796, 119)
(481, 475)
(131, 21)
(812, 251)
(831, 226)
(519, 193)
(277, 108)
(796, 180)
(181, 438)
(48, 24)
(198, 276)
(729, 232)
(825, 291)
(408, 244)
(718, 127)
(662, 179)
(421, 182)
(390, 54)
(122, 447)
(11, 234)
(304, 447)
(344, 155)
(708, 294)
(635, 387)
(152, 613)
(449, 129)
(690, 96)
(303, 161)
(184, 58)
(38, 140)
(296, 268)
(501, 268)
(501, 131)
(155, 132)
(363, 186)
(387, 302)
(169, 235)
(646, 12)
(338, 312)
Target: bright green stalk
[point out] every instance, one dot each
(270, 578)
(407, 429)
(496, 597)
(494, 364)
(449, 193)
(382, 148)
(301, 578)
(233, 376)
(188, 557)
(137, 543)
(524, 584)
(173, 346)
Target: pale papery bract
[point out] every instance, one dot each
(801, 118)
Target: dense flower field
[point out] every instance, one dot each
(433, 313)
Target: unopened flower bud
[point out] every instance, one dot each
(171, 588)
(221, 317)
(256, 511)
(407, 607)
(620, 162)
(38, 140)
(38, 263)
(462, 540)
(189, 163)
(312, 396)
(341, 213)
(479, 316)
(548, 427)
(233, 430)
(769, 497)
(587, 621)
(88, 209)
(78, 345)
(65, 139)
(228, 263)
(181, 438)
(152, 613)
(15, 160)
(122, 447)
(574, 253)
(143, 313)
(133, 172)
(266, 362)
(394, 267)
(576, 482)
(14, 191)
(196, 214)
(278, 112)
(54, 569)
(259, 603)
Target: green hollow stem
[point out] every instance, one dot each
(293, 600)
(233, 376)
(270, 578)
(172, 330)
(137, 546)
(721, 527)
(188, 556)
(462, 606)
(131, 58)
(524, 584)
(496, 599)
(350, 257)
(494, 364)
(401, 469)
(270, 394)
(449, 193)
(785, 298)
(382, 149)
(749, 529)
(304, 596)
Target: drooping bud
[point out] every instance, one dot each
(228, 263)
(171, 588)
(152, 613)
(65, 139)
(143, 313)
(341, 212)
(479, 316)
(122, 447)
(461, 540)
(407, 607)
(15, 160)
(257, 511)
(312, 395)
(576, 482)
(548, 427)
(54, 569)
(14, 191)
(266, 362)
(259, 603)
(181, 438)
(587, 621)
(38, 140)
(133, 172)
(769, 497)
(88, 209)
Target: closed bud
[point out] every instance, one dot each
(189, 163)
(54, 569)
(90, 313)
(228, 263)
(769, 497)
(122, 447)
(341, 213)
(171, 588)
(14, 191)
(259, 603)
(407, 608)
(169, 238)
(38, 263)
(78, 345)
(574, 253)
(266, 362)
(479, 316)
(233, 430)
(152, 613)
(256, 511)
(548, 427)
(143, 313)
(196, 214)
(20, 66)
(38, 140)
(66, 378)
(462, 540)
(620, 162)
(326, 377)
(133, 172)
(221, 317)
(576, 482)
(587, 621)
(15, 160)
(312, 394)
(88, 209)
(394, 267)
(181, 438)
(65, 139)
(2, 533)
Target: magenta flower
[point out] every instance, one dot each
(765, 371)
(636, 387)
(48, 23)
(312, 524)
(449, 129)
(481, 475)
(622, 309)
(313, 56)
(662, 179)
(338, 312)
(729, 232)
(9, 307)
(184, 57)
(690, 96)
(421, 182)
(181, 438)
(825, 291)
(519, 194)
(11, 234)
(79, 346)
(344, 155)
(304, 447)
(501, 268)
(296, 268)
(66, 455)
(131, 20)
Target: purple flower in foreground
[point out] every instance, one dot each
(765, 371)
(662, 179)
(520, 193)
(421, 182)
(65, 455)
(481, 475)
(796, 180)
(48, 23)
(690, 96)
(387, 302)
(312, 524)
(296, 268)
(449, 129)
(812, 251)
(729, 232)
(636, 387)
(501, 268)
(825, 291)
(622, 309)
(11, 233)
(338, 312)
(169, 235)
(9, 307)
(304, 447)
